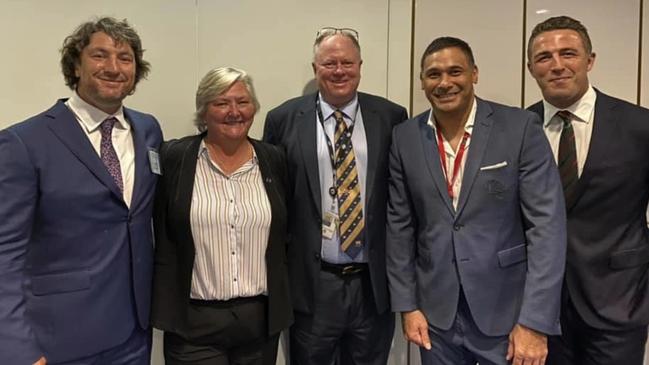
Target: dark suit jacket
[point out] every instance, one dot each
(76, 262)
(607, 269)
(174, 252)
(505, 244)
(292, 125)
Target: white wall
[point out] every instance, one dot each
(613, 27)
(272, 41)
(184, 39)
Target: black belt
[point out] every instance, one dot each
(228, 303)
(343, 269)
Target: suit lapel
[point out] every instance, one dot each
(604, 131)
(67, 129)
(431, 155)
(373, 139)
(141, 151)
(479, 138)
(307, 133)
(186, 174)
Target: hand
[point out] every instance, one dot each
(41, 361)
(415, 328)
(526, 346)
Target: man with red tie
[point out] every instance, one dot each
(601, 146)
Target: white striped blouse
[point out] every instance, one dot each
(230, 221)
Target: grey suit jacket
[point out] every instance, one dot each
(292, 125)
(505, 244)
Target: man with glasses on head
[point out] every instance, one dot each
(601, 144)
(76, 186)
(337, 142)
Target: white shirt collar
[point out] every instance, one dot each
(582, 109)
(468, 127)
(91, 117)
(203, 151)
(348, 109)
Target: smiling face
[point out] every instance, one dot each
(106, 72)
(230, 115)
(560, 64)
(447, 78)
(337, 69)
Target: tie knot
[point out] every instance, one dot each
(565, 116)
(339, 115)
(107, 126)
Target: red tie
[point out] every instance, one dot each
(567, 160)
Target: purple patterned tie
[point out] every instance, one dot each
(108, 154)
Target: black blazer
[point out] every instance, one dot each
(292, 125)
(174, 250)
(607, 264)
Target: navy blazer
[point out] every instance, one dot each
(607, 264)
(292, 125)
(505, 244)
(175, 251)
(76, 262)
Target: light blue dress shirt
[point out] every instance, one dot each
(331, 251)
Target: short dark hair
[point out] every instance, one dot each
(119, 30)
(448, 42)
(557, 23)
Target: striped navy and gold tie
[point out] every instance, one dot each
(350, 207)
(567, 159)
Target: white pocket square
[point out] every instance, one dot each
(494, 166)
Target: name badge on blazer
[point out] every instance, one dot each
(154, 161)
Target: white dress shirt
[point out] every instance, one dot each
(90, 118)
(230, 219)
(451, 154)
(582, 124)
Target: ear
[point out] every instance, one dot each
(475, 74)
(591, 61)
(313, 67)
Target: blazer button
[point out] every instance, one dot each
(457, 227)
(317, 256)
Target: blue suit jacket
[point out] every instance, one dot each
(505, 244)
(76, 262)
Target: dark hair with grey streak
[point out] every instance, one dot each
(118, 30)
(558, 23)
(448, 42)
